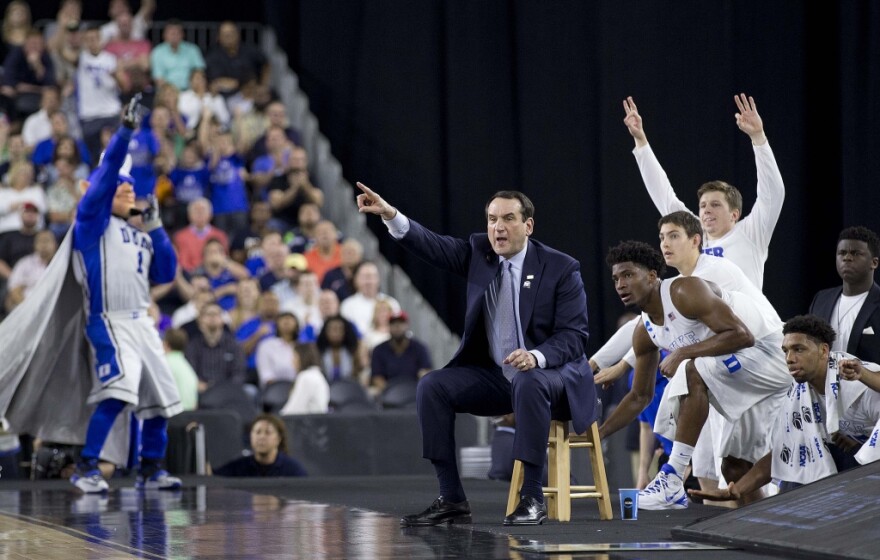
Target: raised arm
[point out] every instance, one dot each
(762, 219)
(653, 175)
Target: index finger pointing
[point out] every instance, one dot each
(365, 188)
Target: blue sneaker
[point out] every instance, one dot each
(159, 480)
(666, 491)
(89, 479)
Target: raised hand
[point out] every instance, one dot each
(131, 116)
(633, 122)
(371, 203)
(748, 120)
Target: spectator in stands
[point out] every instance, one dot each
(247, 298)
(62, 197)
(18, 243)
(28, 270)
(45, 150)
(173, 131)
(380, 325)
(185, 377)
(311, 392)
(21, 191)
(275, 257)
(68, 17)
(358, 307)
(275, 163)
(228, 176)
(97, 85)
(305, 305)
(188, 313)
(16, 25)
(140, 22)
(26, 71)
(231, 63)
(286, 287)
(198, 100)
(14, 148)
(328, 306)
(222, 272)
(342, 355)
(213, 351)
(248, 110)
(289, 188)
(400, 358)
(269, 458)
(255, 330)
(276, 114)
(327, 252)
(301, 238)
(190, 241)
(64, 48)
(173, 60)
(65, 148)
(37, 127)
(275, 357)
(131, 54)
(255, 262)
(245, 246)
(340, 279)
(190, 181)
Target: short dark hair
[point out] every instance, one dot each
(637, 252)
(686, 220)
(528, 209)
(814, 327)
(861, 233)
(279, 426)
(176, 339)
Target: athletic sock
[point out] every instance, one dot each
(680, 457)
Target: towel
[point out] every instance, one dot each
(870, 451)
(800, 453)
(667, 411)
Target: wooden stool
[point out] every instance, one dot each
(560, 492)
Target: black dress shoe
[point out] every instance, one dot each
(529, 512)
(439, 512)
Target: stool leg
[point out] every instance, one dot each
(563, 472)
(516, 482)
(597, 461)
(552, 496)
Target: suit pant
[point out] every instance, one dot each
(534, 396)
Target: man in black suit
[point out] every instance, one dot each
(535, 368)
(853, 309)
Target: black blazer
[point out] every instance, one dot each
(865, 345)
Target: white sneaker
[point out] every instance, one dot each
(159, 480)
(666, 491)
(89, 481)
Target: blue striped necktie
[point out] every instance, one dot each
(503, 318)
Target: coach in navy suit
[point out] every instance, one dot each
(545, 375)
(853, 309)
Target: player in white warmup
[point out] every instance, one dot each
(116, 262)
(723, 352)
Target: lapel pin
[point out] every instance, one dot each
(530, 276)
(527, 284)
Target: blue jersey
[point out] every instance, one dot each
(115, 261)
(190, 184)
(143, 147)
(228, 191)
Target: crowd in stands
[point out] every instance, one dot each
(267, 290)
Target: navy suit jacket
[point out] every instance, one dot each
(864, 346)
(552, 308)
